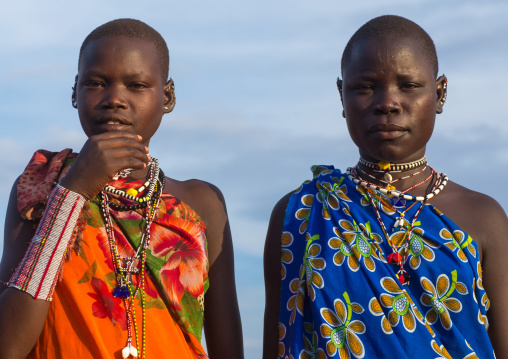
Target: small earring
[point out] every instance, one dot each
(165, 108)
(445, 85)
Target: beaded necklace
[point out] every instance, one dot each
(377, 194)
(126, 268)
(388, 180)
(393, 167)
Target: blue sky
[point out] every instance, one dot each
(256, 98)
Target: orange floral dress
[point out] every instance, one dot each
(85, 320)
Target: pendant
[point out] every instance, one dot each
(403, 277)
(394, 258)
(398, 202)
(129, 351)
(121, 292)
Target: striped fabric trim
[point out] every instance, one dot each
(37, 273)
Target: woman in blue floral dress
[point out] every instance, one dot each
(388, 259)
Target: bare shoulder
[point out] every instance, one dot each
(203, 197)
(479, 215)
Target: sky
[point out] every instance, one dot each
(257, 103)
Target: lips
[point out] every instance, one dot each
(113, 122)
(113, 119)
(387, 131)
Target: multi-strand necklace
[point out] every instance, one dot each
(389, 197)
(128, 267)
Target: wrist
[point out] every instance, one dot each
(37, 272)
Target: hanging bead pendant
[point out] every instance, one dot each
(129, 351)
(121, 292)
(394, 258)
(403, 277)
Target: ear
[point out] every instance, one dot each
(73, 97)
(169, 96)
(442, 88)
(339, 87)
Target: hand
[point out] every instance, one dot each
(101, 158)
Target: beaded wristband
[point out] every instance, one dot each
(37, 273)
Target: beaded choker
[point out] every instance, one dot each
(387, 166)
(128, 268)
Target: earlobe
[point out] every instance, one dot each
(339, 87)
(169, 96)
(442, 91)
(73, 97)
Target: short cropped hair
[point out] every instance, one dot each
(392, 25)
(134, 29)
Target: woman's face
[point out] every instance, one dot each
(390, 98)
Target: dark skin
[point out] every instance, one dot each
(390, 98)
(121, 97)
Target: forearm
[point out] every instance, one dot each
(21, 321)
(24, 304)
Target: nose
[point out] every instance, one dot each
(387, 101)
(113, 98)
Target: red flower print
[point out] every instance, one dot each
(185, 269)
(106, 305)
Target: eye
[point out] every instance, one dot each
(93, 84)
(410, 86)
(137, 86)
(362, 88)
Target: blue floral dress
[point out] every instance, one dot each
(340, 298)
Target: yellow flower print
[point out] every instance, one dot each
(375, 309)
(418, 246)
(320, 170)
(287, 255)
(313, 264)
(439, 299)
(441, 350)
(484, 300)
(380, 201)
(341, 331)
(295, 302)
(310, 339)
(355, 242)
(458, 241)
(330, 195)
(282, 335)
(303, 214)
(400, 304)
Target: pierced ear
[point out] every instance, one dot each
(442, 91)
(169, 96)
(73, 97)
(339, 87)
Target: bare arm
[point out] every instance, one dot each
(272, 268)
(21, 317)
(222, 324)
(495, 276)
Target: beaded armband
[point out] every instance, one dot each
(38, 272)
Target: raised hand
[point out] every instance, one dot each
(101, 157)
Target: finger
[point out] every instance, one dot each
(127, 151)
(120, 142)
(115, 134)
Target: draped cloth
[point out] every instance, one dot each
(340, 298)
(84, 319)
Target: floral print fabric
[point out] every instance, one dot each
(85, 320)
(341, 299)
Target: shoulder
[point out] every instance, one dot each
(479, 215)
(203, 197)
